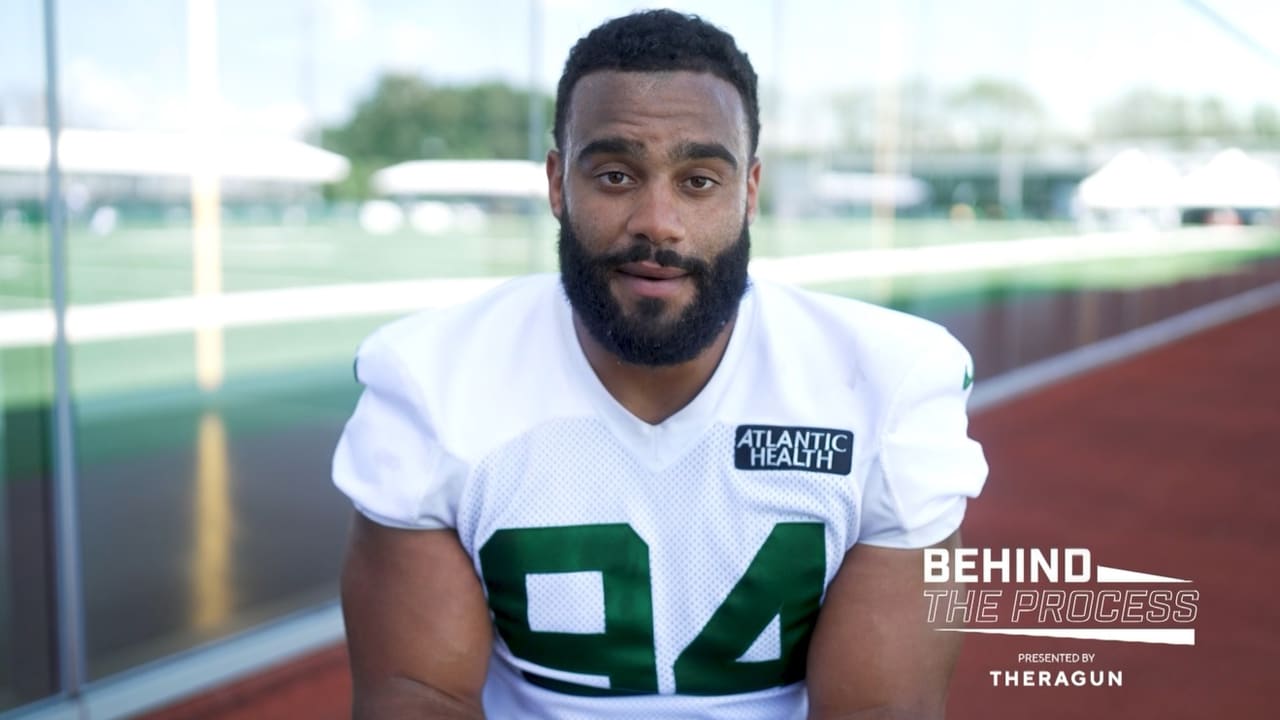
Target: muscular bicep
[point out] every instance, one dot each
(873, 649)
(418, 630)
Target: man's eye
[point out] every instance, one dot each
(614, 178)
(699, 182)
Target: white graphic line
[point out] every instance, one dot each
(1117, 575)
(1160, 636)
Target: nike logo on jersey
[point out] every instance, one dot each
(773, 447)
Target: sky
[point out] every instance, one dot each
(285, 65)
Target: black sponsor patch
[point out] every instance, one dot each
(774, 447)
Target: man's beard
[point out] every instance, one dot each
(645, 338)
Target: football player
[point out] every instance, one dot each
(649, 486)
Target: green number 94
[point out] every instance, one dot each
(783, 581)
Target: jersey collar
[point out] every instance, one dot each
(658, 446)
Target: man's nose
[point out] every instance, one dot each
(656, 217)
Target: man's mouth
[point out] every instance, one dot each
(648, 279)
(649, 270)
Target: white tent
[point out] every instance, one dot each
(150, 154)
(463, 178)
(1132, 180)
(1231, 179)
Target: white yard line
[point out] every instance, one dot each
(996, 255)
(142, 318)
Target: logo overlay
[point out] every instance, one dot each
(773, 447)
(1055, 593)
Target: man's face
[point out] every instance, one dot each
(654, 189)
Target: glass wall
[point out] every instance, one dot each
(1013, 170)
(207, 407)
(27, 608)
(253, 187)
(230, 244)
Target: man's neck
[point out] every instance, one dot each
(652, 394)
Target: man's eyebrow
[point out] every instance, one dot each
(611, 146)
(703, 151)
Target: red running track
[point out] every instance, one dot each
(1166, 463)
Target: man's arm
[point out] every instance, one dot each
(873, 655)
(418, 628)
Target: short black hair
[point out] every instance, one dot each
(659, 41)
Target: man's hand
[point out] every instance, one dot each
(418, 628)
(873, 655)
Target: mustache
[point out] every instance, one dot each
(641, 251)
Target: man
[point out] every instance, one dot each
(649, 487)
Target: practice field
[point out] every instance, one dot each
(154, 262)
(132, 319)
(183, 491)
(299, 301)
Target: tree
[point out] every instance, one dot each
(987, 115)
(1214, 119)
(1266, 123)
(1145, 113)
(998, 114)
(408, 118)
(854, 112)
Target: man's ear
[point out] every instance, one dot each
(753, 189)
(555, 183)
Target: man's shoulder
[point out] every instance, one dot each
(846, 325)
(449, 352)
(478, 313)
(849, 353)
(480, 370)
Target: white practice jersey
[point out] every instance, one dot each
(671, 570)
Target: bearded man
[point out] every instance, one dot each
(649, 486)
